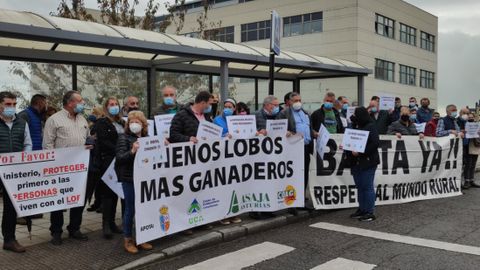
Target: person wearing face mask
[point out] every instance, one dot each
(413, 116)
(185, 123)
(424, 113)
(169, 104)
(404, 126)
(380, 118)
(228, 110)
(344, 104)
(364, 165)
(269, 111)
(130, 103)
(461, 121)
(126, 149)
(412, 103)
(395, 115)
(327, 116)
(472, 149)
(67, 128)
(448, 124)
(463, 118)
(431, 126)
(14, 137)
(108, 128)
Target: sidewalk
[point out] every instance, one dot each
(99, 253)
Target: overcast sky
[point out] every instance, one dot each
(458, 42)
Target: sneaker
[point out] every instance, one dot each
(367, 217)
(357, 214)
(145, 246)
(235, 220)
(225, 222)
(77, 235)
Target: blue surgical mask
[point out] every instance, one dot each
(454, 114)
(79, 108)
(9, 111)
(227, 112)
(374, 109)
(328, 105)
(113, 110)
(413, 117)
(208, 109)
(345, 106)
(275, 110)
(169, 101)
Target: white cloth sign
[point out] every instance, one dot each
(387, 103)
(111, 180)
(344, 122)
(151, 151)
(162, 124)
(350, 112)
(472, 130)
(322, 140)
(420, 127)
(409, 170)
(355, 140)
(213, 180)
(277, 128)
(242, 126)
(46, 180)
(208, 131)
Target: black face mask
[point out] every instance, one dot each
(405, 118)
(132, 109)
(354, 120)
(471, 120)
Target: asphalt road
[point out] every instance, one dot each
(398, 239)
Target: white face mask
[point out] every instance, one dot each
(135, 128)
(297, 106)
(465, 117)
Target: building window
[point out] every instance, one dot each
(303, 24)
(408, 75)
(255, 31)
(408, 34)
(384, 70)
(427, 42)
(427, 79)
(224, 34)
(385, 26)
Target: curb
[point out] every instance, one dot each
(219, 236)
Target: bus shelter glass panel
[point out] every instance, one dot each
(313, 91)
(187, 85)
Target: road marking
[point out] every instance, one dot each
(399, 238)
(242, 258)
(344, 264)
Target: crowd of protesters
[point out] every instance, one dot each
(111, 133)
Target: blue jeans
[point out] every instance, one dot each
(129, 208)
(364, 179)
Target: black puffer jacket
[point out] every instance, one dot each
(124, 157)
(106, 144)
(185, 125)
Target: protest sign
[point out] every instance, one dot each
(224, 178)
(410, 169)
(344, 122)
(151, 151)
(242, 126)
(322, 140)
(387, 103)
(350, 112)
(472, 130)
(420, 127)
(46, 180)
(277, 128)
(208, 131)
(355, 140)
(162, 124)
(111, 180)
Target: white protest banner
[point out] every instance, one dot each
(277, 128)
(322, 140)
(111, 180)
(350, 112)
(387, 103)
(209, 131)
(46, 180)
(420, 127)
(355, 140)
(162, 124)
(242, 126)
(410, 170)
(151, 151)
(472, 130)
(213, 180)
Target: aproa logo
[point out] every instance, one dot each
(194, 207)
(248, 201)
(164, 218)
(287, 196)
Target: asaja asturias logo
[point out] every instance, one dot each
(164, 218)
(248, 201)
(287, 196)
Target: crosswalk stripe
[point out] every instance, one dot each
(399, 238)
(344, 264)
(242, 258)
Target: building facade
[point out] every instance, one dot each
(393, 38)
